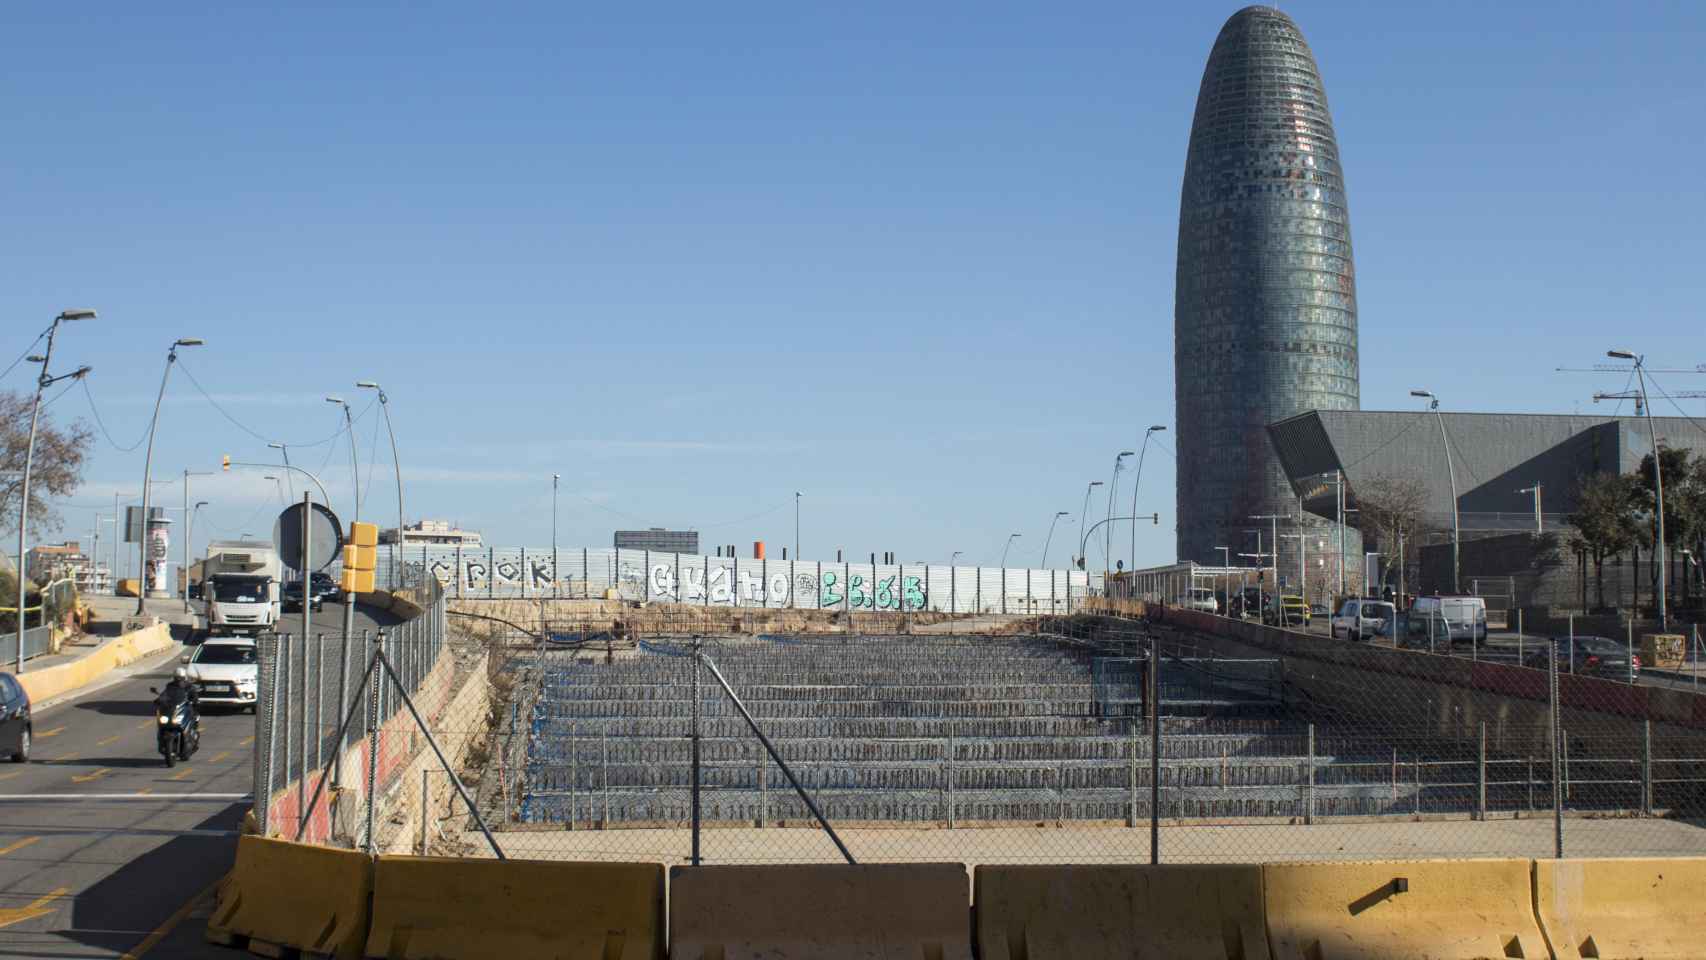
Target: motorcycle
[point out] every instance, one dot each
(177, 725)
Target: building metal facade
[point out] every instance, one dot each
(659, 539)
(1265, 314)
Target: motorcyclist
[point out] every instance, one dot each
(181, 688)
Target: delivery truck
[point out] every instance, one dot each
(240, 583)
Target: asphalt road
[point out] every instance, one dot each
(106, 853)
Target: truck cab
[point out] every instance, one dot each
(240, 583)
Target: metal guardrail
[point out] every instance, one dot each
(38, 641)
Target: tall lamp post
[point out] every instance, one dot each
(1451, 474)
(355, 485)
(397, 468)
(1113, 487)
(556, 478)
(186, 567)
(1083, 562)
(1010, 538)
(43, 381)
(1050, 538)
(1137, 482)
(148, 467)
(1661, 556)
(796, 526)
(284, 451)
(1539, 527)
(189, 531)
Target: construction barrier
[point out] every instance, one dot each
(51, 683)
(282, 894)
(820, 911)
(1648, 908)
(1439, 909)
(1212, 911)
(447, 908)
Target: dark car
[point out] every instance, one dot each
(15, 728)
(290, 597)
(1588, 656)
(325, 588)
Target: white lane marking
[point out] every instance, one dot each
(126, 796)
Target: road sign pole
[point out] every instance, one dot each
(307, 562)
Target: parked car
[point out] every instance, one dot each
(325, 588)
(1359, 619)
(1319, 611)
(1200, 598)
(1290, 611)
(225, 671)
(15, 726)
(1588, 656)
(1448, 620)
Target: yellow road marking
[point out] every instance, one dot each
(181, 775)
(108, 740)
(145, 791)
(65, 759)
(56, 731)
(146, 723)
(21, 844)
(98, 774)
(246, 741)
(220, 756)
(8, 776)
(163, 930)
(36, 908)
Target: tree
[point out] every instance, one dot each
(1390, 508)
(1606, 520)
(1678, 472)
(56, 470)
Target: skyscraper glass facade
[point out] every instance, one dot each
(1265, 314)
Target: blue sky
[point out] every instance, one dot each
(915, 260)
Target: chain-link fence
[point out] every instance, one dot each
(1083, 739)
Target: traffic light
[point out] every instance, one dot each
(359, 558)
(226, 462)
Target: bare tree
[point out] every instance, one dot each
(56, 470)
(1390, 510)
(1606, 520)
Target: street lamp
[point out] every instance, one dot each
(1113, 487)
(189, 530)
(1137, 482)
(796, 526)
(397, 467)
(148, 467)
(555, 478)
(1083, 563)
(1050, 538)
(1661, 558)
(43, 381)
(285, 452)
(186, 567)
(1451, 473)
(277, 488)
(955, 558)
(355, 488)
(1538, 526)
(1010, 538)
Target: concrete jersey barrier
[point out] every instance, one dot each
(1389, 910)
(446, 909)
(50, 683)
(1638, 907)
(1115, 912)
(820, 912)
(281, 894)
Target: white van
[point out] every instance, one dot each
(1449, 620)
(1200, 598)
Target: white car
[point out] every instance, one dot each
(225, 671)
(1360, 620)
(1200, 598)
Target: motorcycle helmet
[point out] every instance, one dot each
(182, 675)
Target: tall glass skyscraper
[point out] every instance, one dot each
(1265, 308)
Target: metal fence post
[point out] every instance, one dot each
(343, 705)
(263, 795)
(1554, 734)
(425, 771)
(1131, 815)
(694, 734)
(950, 770)
(1481, 776)
(1647, 768)
(574, 772)
(604, 774)
(375, 681)
(763, 789)
(1309, 784)
(1154, 753)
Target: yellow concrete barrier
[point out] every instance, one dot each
(282, 894)
(517, 909)
(1439, 909)
(1085, 912)
(1618, 909)
(49, 683)
(820, 912)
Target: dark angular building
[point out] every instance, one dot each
(1265, 310)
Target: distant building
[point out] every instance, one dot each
(61, 561)
(658, 539)
(434, 533)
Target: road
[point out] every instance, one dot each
(106, 853)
